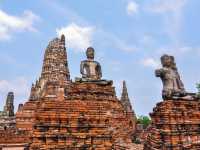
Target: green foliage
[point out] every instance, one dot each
(144, 120)
(198, 88)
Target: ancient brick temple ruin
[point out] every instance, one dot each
(175, 126)
(175, 121)
(62, 114)
(125, 99)
(7, 117)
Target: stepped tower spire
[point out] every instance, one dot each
(125, 98)
(55, 64)
(54, 70)
(9, 106)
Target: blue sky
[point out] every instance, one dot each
(129, 37)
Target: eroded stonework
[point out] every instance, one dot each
(61, 114)
(84, 118)
(175, 125)
(7, 117)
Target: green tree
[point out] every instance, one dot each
(144, 120)
(198, 88)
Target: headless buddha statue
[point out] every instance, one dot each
(173, 87)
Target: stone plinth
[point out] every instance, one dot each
(175, 125)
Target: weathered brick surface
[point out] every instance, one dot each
(14, 137)
(175, 125)
(90, 118)
(7, 117)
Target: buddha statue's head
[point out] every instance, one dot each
(166, 61)
(90, 53)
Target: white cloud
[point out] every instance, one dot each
(111, 40)
(78, 37)
(163, 6)
(178, 50)
(172, 12)
(150, 62)
(81, 37)
(10, 24)
(132, 8)
(19, 86)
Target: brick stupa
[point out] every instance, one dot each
(61, 114)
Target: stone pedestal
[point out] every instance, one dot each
(175, 126)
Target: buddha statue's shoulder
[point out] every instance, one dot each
(96, 62)
(84, 61)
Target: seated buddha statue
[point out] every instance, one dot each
(91, 69)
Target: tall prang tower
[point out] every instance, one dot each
(7, 116)
(54, 70)
(9, 107)
(52, 82)
(55, 65)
